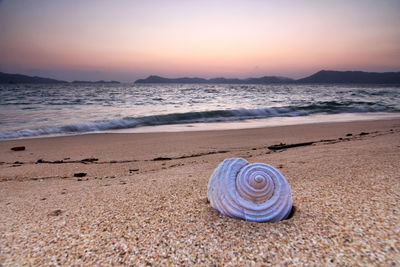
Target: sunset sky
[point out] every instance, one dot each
(126, 40)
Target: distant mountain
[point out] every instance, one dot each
(158, 79)
(107, 82)
(330, 76)
(19, 78)
(262, 80)
(323, 76)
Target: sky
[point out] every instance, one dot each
(130, 39)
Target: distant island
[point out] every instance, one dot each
(261, 80)
(330, 76)
(323, 76)
(19, 78)
(6, 78)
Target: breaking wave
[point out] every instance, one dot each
(329, 107)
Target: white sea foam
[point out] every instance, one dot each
(181, 118)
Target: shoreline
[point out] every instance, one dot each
(262, 122)
(148, 145)
(236, 124)
(143, 199)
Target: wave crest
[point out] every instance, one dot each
(329, 107)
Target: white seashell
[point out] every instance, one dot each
(254, 192)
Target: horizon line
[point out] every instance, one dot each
(194, 77)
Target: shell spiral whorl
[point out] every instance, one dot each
(254, 192)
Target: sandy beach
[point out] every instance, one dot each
(143, 200)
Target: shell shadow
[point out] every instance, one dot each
(291, 214)
(212, 213)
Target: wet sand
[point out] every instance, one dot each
(143, 198)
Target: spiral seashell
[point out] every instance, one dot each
(254, 192)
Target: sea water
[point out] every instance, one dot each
(65, 109)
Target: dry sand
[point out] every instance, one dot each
(132, 209)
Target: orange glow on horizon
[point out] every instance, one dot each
(228, 38)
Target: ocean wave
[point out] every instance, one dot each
(328, 107)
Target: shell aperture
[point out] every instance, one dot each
(254, 192)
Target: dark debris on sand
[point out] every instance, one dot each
(18, 148)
